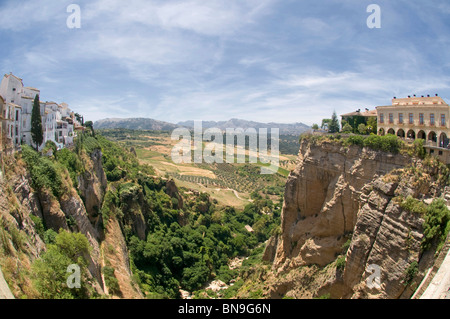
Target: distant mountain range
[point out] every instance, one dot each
(135, 124)
(151, 124)
(294, 128)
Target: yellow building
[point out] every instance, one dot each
(425, 117)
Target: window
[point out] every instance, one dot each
(381, 118)
(400, 118)
(421, 119)
(17, 115)
(442, 119)
(391, 118)
(432, 119)
(411, 118)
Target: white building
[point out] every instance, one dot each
(12, 114)
(58, 120)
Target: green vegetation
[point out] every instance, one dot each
(413, 205)
(410, 273)
(333, 126)
(45, 173)
(436, 224)
(171, 254)
(387, 143)
(110, 280)
(50, 275)
(37, 133)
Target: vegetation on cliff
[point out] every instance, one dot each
(175, 238)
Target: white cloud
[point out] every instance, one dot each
(19, 16)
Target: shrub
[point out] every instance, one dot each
(436, 225)
(414, 205)
(340, 263)
(418, 148)
(388, 143)
(355, 140)
(110, 280)
(410, 273)
(44, 173)
(50, 271)
(71, 162)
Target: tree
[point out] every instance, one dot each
(347, 128)
(372, 125)
(37, 133)
(333, 127)
(362, 129)
(325, 124)
(315, 127)
(90, 125)
(50, 272)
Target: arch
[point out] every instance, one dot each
(381, 132)
(421, 135)
(401, 133)
(432, 136)
(411, 134)
(391, 131)
(443, 140)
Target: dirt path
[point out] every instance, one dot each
(439, 288)
(5, 292)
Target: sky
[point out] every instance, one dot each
(282, 61)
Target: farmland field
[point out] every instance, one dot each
(229, 183)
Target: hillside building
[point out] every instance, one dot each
(411, 118)
(58, 121)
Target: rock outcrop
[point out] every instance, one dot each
(77, 210)
(339, 196)
(92, 186)
(322, 200)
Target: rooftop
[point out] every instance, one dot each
(30, 88)
(416, 100)
(366, 113)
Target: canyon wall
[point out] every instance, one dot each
(341, 207)
(77, 210)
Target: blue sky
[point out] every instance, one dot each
(264, 60)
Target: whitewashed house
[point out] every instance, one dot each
(12, 116)
(58, 120)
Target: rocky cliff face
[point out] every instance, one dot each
(347, 197)
(19, 202)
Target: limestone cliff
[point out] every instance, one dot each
(77, 210)
(347, 196)
(322, 200)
